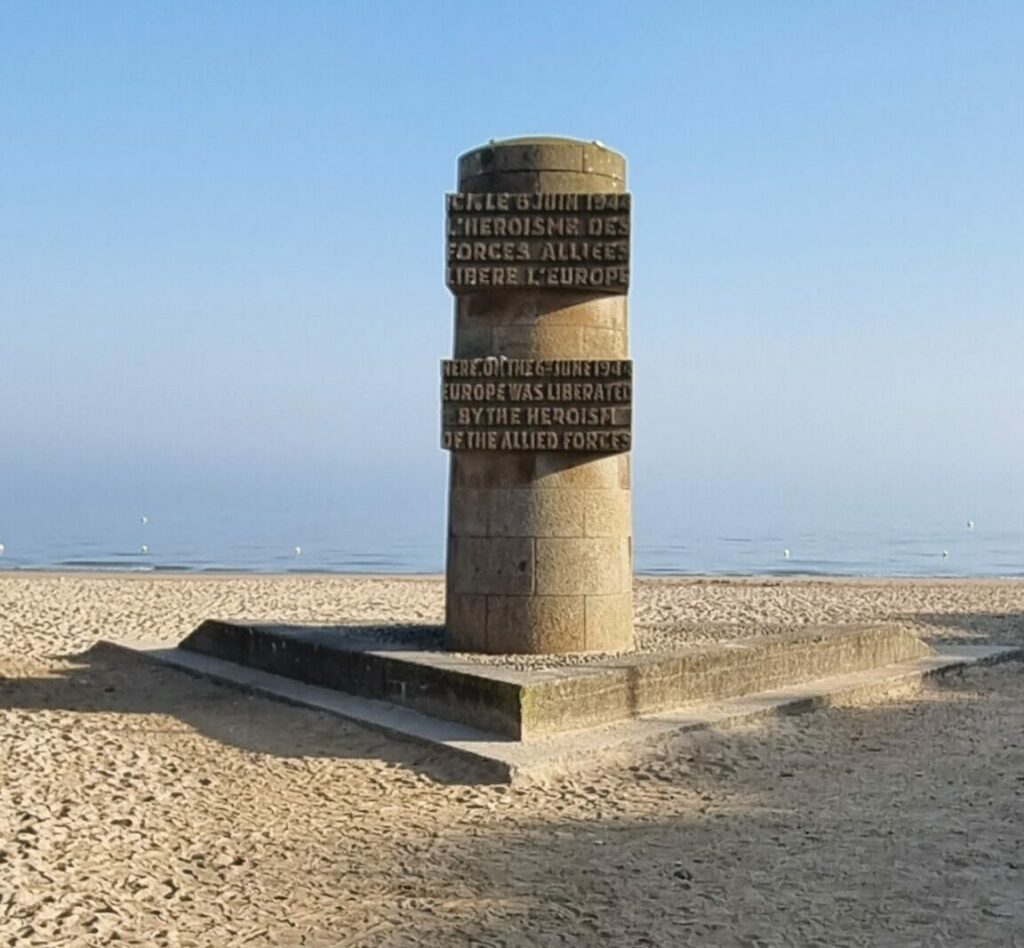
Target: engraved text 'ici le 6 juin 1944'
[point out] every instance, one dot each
(537, 405)
(538, 241)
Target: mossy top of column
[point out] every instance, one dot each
(512, 160)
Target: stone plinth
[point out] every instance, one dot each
(526, 704)
(540, 541)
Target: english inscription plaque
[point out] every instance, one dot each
(499, 404)
(554, 241)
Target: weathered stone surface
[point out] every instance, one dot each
(469, 616)
(431, 682)
(581, 473)
(607, 342)
(474, 342)
(607, 513)
(605, 618)
(599, 160)
(520, 512)
(512, 181)
(528, 155)
(519, 341)
(632, 686)
(606, 312)
(536, 624)
(571, 181)
(533, 181)
(533, 704)
(539, 494)
(468, 512)
(540, 152)
(490, 564)
(538, 309)
(488, 469)
(582, 566)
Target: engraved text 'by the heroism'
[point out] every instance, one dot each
(537, 405)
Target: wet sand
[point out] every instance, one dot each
(140, 803)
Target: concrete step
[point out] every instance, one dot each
(502, 759)
(527, 704)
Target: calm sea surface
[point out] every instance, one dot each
(176, 539)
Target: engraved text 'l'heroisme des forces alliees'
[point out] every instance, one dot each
(537, 405)
(538, 241)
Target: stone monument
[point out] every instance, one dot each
(537, 401)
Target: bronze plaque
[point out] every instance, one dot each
(498, 404)
(555, 241)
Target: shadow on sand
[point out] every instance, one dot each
(995, 628)
(109, 679)
(854, 825)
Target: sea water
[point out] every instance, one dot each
(406, 535)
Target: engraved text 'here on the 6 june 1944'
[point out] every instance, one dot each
(554, 241)
(537, 405)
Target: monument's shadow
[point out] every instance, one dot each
(107, 679)
(1002, 627)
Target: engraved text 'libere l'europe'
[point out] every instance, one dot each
(538, 241)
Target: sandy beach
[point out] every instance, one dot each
(141, 806)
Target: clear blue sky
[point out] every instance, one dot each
(221, 241)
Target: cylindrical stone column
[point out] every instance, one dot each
(540, 542)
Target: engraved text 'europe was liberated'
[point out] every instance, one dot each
(538, 241)
(537, 405)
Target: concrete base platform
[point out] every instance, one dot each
(408, 669)
(503, 759)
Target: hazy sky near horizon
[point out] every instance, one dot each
(221, 246)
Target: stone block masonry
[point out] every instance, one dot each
(537, 400)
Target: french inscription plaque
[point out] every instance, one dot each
(499, 404)
(553, 241)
